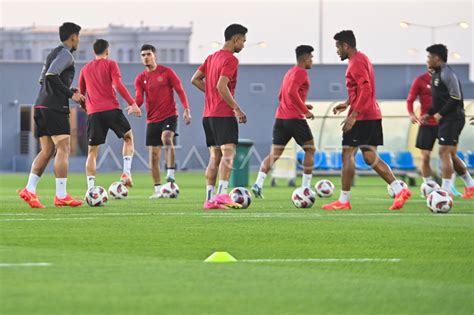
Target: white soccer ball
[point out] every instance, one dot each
(439, 201)
(242, 196)
(303, 197)
(118, 190)
(324, 188)
(96, 196)
(428, 187)
(169, 190)
(391, 193)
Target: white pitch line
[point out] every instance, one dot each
(29, 264)
(49, 219)
(356, 260)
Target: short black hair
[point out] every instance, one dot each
(303, 50)
(148, 47)
(439, 50)
(68, 29)
(100, 45)
(346, 36)
(234, 29)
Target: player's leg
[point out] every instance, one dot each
(61, 165)
(97, 128)
(425, 141)
(308, 163)
(426, 172)
(447, 169)
(225, 167)
(127, 152)
(92, 153)
(37, 168)
(155, 157)
(167, 139)
(462, 171)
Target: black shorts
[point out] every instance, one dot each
(449, 131)
(98, 124)
(364, 133)
(285, 129)
(220, 130)
(51, 123)
(426, 137)
(154, 130)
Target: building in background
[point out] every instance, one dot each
(34, 43)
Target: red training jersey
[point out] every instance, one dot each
(220, 63)
(293, 92)
(360, 82)
(421, 89)
(97, 81)
(158, 85)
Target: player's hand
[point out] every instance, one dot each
(309, 115)
(187, 116)
(471, 121)
(348, 123)
(134, 110)
(309, 106)
(414, 119)
(437, 117)
(423, 119)
(241, 116)
(78, 97)
(339, 108)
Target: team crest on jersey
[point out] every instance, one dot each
(436, 82)
(160, 79)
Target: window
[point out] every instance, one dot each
(173, 55)
(18, 54)
(181, 55)
(28, 54)
(130, 55)
(163, 56)
(120, 55)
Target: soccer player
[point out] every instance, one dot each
(97, 81)
(448, 110)
(217, 78)
(158, 82)
(362, 127)
(290, 119)
(51, 115)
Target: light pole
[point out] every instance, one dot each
(433, 28)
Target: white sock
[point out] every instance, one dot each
(209, 192)
(427, 179)
(33, 180)
(127, 164)
(446, 184)
(90, 182)
(306, 180)
(61, 187)
(396, 187)
(157, 188)
(260, 179)
(344, 196)
(223, 185)
(170, 172)
(467, 179)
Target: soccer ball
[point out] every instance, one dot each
(118, 190)
(303, 197)
(391, 193)
(324, 188)
(242, 196)
(96, 196)
(428, 187)
(169, 190)
(439, 201)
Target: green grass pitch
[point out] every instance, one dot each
(141, 256)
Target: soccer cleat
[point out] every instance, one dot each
(126, 179)
(67, 201)
(211, 205)
(257, 191)
(156, 195)
(337, 205)
(226, 201)
(400, 199)
(170, 179)
(30, 198)
(455, 192)
(468, 193)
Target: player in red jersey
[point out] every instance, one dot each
(51, 114)
(158, 83)
(217, 78)
(290, 119)
(97, 81)
(362, 127)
